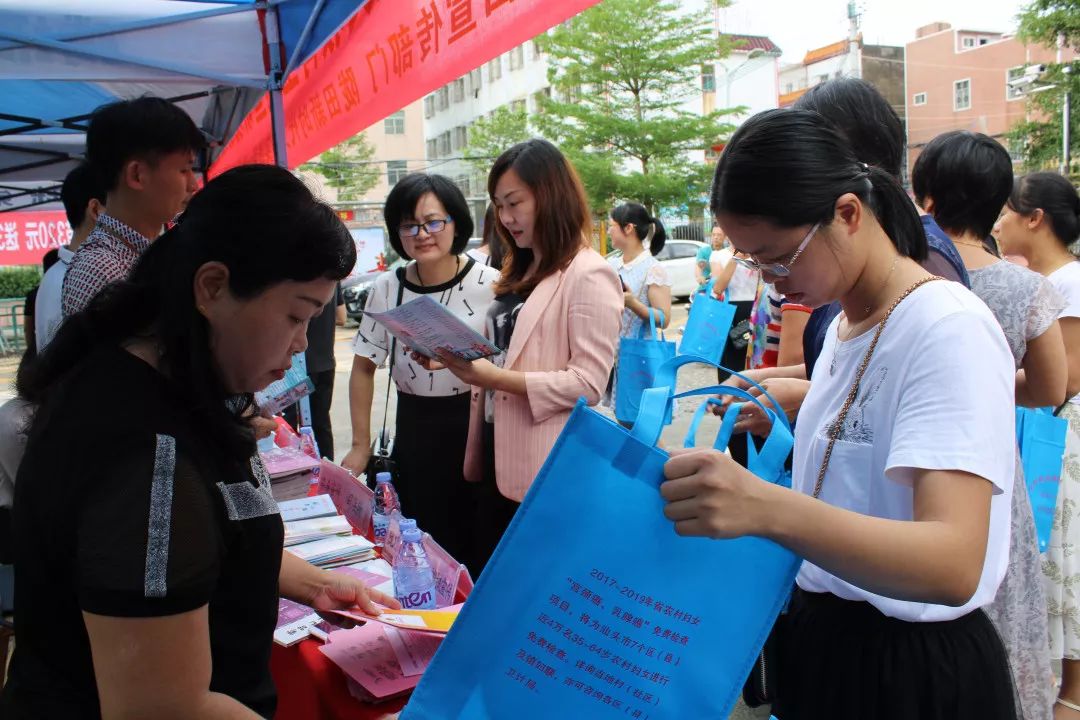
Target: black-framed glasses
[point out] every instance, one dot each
(780, 270)
(431, 227)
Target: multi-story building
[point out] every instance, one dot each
(959, 80)
(517, 78)
(880, 65)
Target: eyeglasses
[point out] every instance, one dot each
(431, 226)
(780, 270)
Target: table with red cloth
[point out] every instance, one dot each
(311, 687)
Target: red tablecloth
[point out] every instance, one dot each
(311, 687)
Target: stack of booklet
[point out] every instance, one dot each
(290, 473)
(316, 533)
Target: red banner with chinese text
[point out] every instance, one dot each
(26, 236)
(387, 55)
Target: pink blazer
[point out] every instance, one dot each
(564, 341)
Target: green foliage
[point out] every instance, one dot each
(621, 72)
(15, 282)
(490, 136)
(1042, 20)
(348, 167)
(1038, 138)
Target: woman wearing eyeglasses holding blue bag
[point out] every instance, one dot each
(429, 223)
(904, 453)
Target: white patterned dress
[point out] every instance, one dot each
(1061, 564)
(1025, 305)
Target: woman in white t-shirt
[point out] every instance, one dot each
(738, 285)
(645, 283)
(1039, 223)
(904, 451)
(429, 223)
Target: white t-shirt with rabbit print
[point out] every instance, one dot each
(938, 394)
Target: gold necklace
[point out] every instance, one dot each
(970, 243)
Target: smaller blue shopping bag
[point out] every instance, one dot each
(707, 328)
(639, 360)
(1041, 438)
(594, 607)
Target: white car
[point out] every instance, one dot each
(677, 257)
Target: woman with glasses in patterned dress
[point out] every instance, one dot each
(429, 224)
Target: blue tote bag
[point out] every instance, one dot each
(593, 607)
(1041, 438)
(707, 328)
(639, 360)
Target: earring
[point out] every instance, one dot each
(202, 309)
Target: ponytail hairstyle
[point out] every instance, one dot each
(563, 222)
(1055, 196)
(260, 222)
(648, 228)
(789, 166)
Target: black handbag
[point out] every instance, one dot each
(382, 447)
(761, 686)
(739, 335)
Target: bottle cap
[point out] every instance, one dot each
(383, 477)
(411, 535)
(406, 524)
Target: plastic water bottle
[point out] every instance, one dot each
(310, 447)
(386, 502)
(414, 580)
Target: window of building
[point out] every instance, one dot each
(459, 138)
(444, 144)
(517, 58)
(789, 88)
(462, 182)
(967, 43)
(395, 124)
(433, 148)
(540, 97)
(518, 106)
(962, 95)
(708, 78)
(429, 106)
(395, 170)
(442, 98)
(475, 81)
(1013, 92)
(495, 69)
(918, 99)
(535, 48)
(458, 92)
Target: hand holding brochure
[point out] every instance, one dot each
(426, 326)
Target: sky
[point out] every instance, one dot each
(800, 25)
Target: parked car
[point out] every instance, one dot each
(677, 257)
(356, 295)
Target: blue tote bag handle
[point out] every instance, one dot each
(652, 324)
(768, 463)
(727, 427)
(665, 378)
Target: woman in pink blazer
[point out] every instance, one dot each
(556, 317)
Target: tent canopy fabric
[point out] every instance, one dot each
(61, 59)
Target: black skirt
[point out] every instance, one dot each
(845, 660)
(429, 450)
